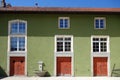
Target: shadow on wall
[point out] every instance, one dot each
(2, 73)
(115, 71)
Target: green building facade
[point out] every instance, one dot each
(81, 47)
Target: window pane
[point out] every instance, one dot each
(95, 46)
(22, 27)
(59, 46)
(103, 39)
(60, 39)
(97, 21)
(66, 23)
(95, 39)
(101, 24)
(22, 44)
(13, 44)
(67, 46)
(14, 28)
(102, 21)
(68, 39)
(103, 46)
(61, 23)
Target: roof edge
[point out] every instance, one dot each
(56, 9)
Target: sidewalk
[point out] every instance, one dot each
(60, 78)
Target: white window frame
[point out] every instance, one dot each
(16, 53)
(64, 36)
(63, 54)
(63, 23)
(17, 35)
(100, 54)
(107, 42)
(99, 18)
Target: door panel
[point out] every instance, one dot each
(17, 66)
(100, 66)
(63, 66)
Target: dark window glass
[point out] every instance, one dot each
(13, 46)
(59, 46)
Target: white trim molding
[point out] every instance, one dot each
(100, 54)
(16, 53)
(64, 18)
(64, 53)
(104, 22)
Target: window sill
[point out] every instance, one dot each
(100, 54)
(64, 53)
(18, 52)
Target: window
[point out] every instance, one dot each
(99, 23)
(64, 22)
(100, 44)
(17, 34)
(17, 27)
(17, 44)
(64, 44)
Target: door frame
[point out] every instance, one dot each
(70, 63)
(55, 66)
(13, 67)
(108, 66)
(8, 65)
(106, 54)
(67, 54)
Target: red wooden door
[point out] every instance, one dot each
(64, 66)
(17, 66)
(100, 66)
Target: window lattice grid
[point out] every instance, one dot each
(99, 44)
(17, 44)
(17, 28)
(99, 23)
(63, 22)
(67, 46)
(59, 46)
(63, 44)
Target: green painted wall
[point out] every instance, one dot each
(41, 31)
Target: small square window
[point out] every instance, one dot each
(99, 23)
(63, 22)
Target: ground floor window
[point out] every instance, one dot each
(63, 43)
(100, 44)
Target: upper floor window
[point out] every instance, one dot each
(64, 22)
(17, 27)
(63, 44)
(17, 35)
(100, 44)
(99, 23)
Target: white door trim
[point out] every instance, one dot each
(106, 54)
(71, 54)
